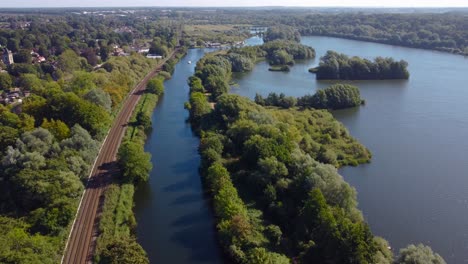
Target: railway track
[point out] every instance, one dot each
(81, 242)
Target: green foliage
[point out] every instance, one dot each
(69, 61)
(18, 246)
(336, 96)
(22, 56)
(59, 129)
(282, 33)
(100, 98)
(240, 63)
(69, 108)
(143, 121)
(155, 86)
(5, 81)
(198, 107)
(134, 162)
(339, 66)
(274, 99)
(284, 52)
(419, 254)
(124, 251)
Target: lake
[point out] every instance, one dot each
(175, 223)
(415, 190)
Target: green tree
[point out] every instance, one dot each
(58, 128)
(155, 86)
(125, 250)
(99, 97)
(13, 44)
(5, 81)
(418, 254)
(23, 56)
(134, 162)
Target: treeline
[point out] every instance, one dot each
(276, 193)
(336, 96)
(442, 31)
(281, 33)
(336, 66)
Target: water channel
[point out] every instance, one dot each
(415, 190)
(175, 223)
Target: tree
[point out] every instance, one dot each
(282, 32)
(58, 128)
(90, 55)
(99, 97)
(143, 121)
(134, 162)
(155, 86)
(419, 254)
(5, 81)
(13, 44)
(262, 256)
(69, 61)
(125, 250)
(23, 56)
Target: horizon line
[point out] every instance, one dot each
(181, 6)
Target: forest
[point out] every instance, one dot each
(336, 66)
(66, 83)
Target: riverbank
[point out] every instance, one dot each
(117, 219)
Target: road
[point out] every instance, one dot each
(82, 239)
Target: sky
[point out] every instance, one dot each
(224, 3)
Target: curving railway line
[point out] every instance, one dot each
(82, 239)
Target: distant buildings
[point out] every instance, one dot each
(7, 57)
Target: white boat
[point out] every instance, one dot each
(189, 62)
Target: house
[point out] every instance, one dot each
(143, 50)
(7, 57)
(36, 58)
(154, 56)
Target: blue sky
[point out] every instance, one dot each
(312, 3)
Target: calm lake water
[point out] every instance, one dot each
(175, 223)
(415, 190)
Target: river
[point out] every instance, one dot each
(175, 223)
(415, 190)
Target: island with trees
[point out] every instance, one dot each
(338, 66)
(271, 173)
(337, 96)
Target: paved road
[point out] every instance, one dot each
(82, 240)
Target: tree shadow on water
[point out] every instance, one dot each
(200, 217)
(200, 240)
(187, 199)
